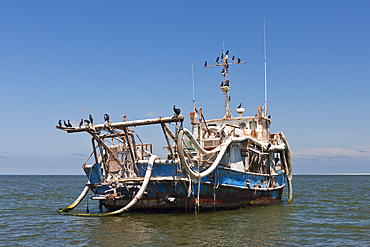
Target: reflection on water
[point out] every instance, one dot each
(326, 210)
(258, 226)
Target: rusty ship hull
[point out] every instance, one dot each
(224, 189)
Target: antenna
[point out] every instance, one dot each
(192, 74)
(264, 46)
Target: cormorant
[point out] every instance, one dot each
(217, 59)
(269, 116)
(106, 117)
(240, 105)
(69, 123)
(80, 124)
(233, 58)
(60, 123)
(91, 119)
(238, 60)
(65, 124)
(87, 121)
(176, 110)
(227, 52)
(222, 84)
(205, 64)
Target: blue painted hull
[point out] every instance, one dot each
(168, 190)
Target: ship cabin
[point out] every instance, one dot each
(251, 155)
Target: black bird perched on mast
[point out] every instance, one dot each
(217, 59)
(91, 119)
(227, 52)
(60, 123)
(81, 123)
(239, 60)
(205, 64)
(176, 110)
(240, 105)
(106, 117)
(87, 121)
(233, 58)
(65, 124)
(69, 123)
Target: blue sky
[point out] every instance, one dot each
(69, 59)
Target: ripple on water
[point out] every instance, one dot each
(326, 210)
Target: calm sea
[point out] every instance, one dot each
(326, 211)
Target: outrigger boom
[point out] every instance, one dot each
(121, 125)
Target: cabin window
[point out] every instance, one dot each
(253, 125)
(265, 125)
(242, 125)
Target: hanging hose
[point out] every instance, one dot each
(222, 148)
(289, 168)
(133, 201)
(78, 200)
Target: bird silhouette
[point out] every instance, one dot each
(106, 117)
(205, 64)
(217, 59)
(81, 123)
(176, 110)
(238, 60)
(69, 123)
(87, 121)
(65, 124)
(233, 58)
(240, 105)
(91, 119)
(60, 123)
(222, 84)
(227, 52)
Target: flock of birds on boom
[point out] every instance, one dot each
(106, 119)
(87, 121)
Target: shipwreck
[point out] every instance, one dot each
(225, 163)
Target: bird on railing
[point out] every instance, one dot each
(60, 123)
(69, 124)
(65, 124)
(176, 110)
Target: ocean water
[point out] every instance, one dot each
(325, 211)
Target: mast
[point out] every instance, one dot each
(225, 86)
(264, 46)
